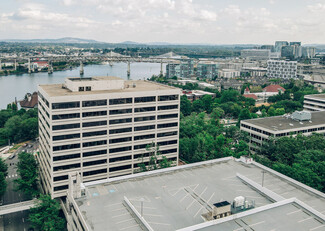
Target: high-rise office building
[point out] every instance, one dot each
(102, 126)
(279, 45)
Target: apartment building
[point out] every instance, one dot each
(281, 69)
(303, 122)
(101, 126)
(314, 102)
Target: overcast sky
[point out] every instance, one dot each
(176, 21)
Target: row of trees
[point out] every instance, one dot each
(17, 125)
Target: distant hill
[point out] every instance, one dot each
(60, 40)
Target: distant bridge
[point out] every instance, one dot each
(17, 207)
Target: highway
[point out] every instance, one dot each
(15, 221)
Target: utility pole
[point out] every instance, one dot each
(161, 68)
(81, 68)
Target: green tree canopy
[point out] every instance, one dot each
(45, 215)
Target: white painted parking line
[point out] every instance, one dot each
(317, 227)
(124, 221)
(238, 229)
(152, 215)
(117, 209)
(113, 204)
(261, 222)
(284, 193)
(129, 227)
(155, 223)
(123, 214)
(305, 219)
(294, 212)
(202, 206)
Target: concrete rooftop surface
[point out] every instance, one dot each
(57, 89)
(279, 123)
(171, 199)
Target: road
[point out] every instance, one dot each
(15, 221)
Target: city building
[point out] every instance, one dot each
(262, 129)
(207, 70)
(254, 71)
(261, 97)
(228, 73)
(288, 52)
(102, 126)
(223, 194)
(255, 54)
(281, 69)
(182, 69)
(279, 45)
(314, 102)
(308, 52)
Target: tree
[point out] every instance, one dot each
(27, 170)
(186, 106)
(279, 111)
(3, 174)
(271, 111)
(45, 215)
(244, 115)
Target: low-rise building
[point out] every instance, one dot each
(314, 102)
(261, 129)
(228, 73)
(197, 94)
(30, 101)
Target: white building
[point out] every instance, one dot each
(302, 122)
(228, 73)
(314, 102)
(101, 126)
(282, 69)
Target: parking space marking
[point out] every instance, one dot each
(305, 219)
(202, 205)
(317, 227)
(152, 215)
(124, 221)
(117, 209)
(123, 214)
(113, 204)
(238, 229)
(299, 210)
(129, 227)
(155, 223)
(261, 222)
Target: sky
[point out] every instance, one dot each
(173, 21)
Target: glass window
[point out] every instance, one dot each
(94, 113)
(120, 101)
(120, 111)
(66, 116)
(167, 97)
(65, 105)
(145, 99)
(94, 103)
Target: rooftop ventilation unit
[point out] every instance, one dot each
(301, 115)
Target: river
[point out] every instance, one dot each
(12, 86)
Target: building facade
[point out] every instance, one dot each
(261, 129)
(279, 45)
(281, 69)
(207, 70)
(184, 69)
(102, 126)
(314, 102)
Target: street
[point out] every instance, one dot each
(15, 221)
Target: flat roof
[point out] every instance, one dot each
(141, 85)
(287, 217)
(316, 96)
(175, 199)
(281, 123)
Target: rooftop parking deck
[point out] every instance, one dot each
(177, 198)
